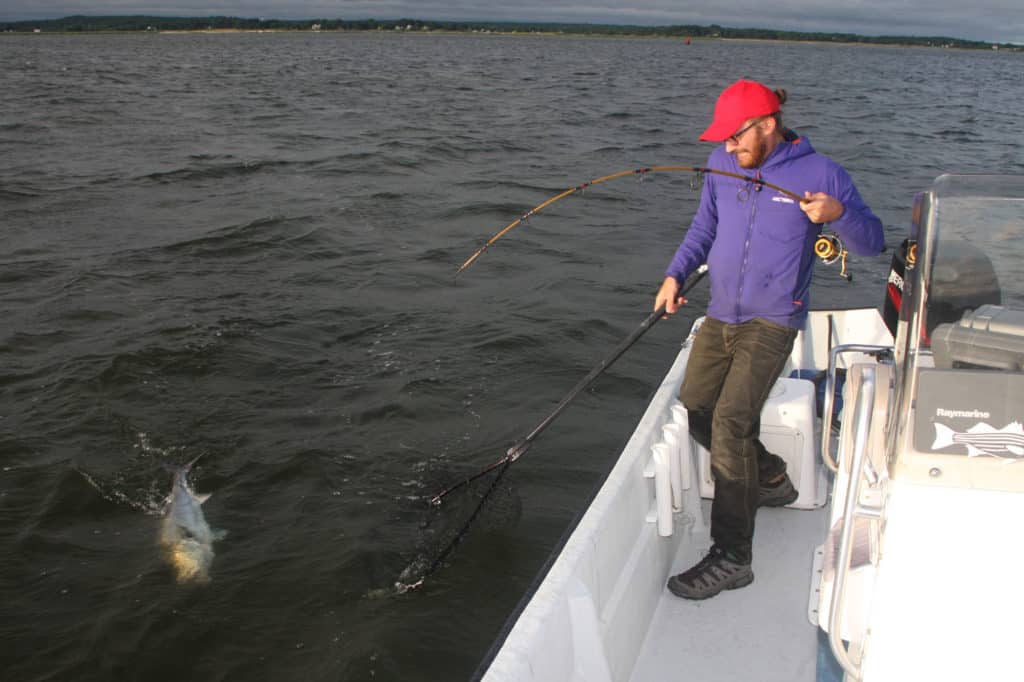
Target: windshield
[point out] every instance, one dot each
(961, 351)
(975, 246)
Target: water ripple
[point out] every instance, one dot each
(243, 246)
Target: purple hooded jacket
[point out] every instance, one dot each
(758, 244)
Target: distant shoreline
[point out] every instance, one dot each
(508, 34)
(229, 25)
(499, 34)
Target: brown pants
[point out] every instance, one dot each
(731, 369)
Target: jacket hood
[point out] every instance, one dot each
(792, 147)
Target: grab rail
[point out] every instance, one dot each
(852, 509)
(830, 390)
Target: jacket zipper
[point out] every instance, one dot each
(746, 246)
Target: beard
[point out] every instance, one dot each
(751, 156)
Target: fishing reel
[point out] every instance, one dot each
(829, 248)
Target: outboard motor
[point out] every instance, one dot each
(961, 281)
(905, 255)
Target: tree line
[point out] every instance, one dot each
(85, 24)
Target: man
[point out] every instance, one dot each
(758, 244)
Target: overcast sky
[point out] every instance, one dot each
(990, 20)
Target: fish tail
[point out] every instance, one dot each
(188, 467)
(943, 436)
(185, 468)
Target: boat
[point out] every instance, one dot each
(899, 558)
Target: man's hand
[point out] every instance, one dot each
(821, 208)
(668, 296)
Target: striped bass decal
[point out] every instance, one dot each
(983, 439)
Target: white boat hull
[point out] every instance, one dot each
(591, 616)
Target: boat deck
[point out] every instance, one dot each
(723, 638)
(603, 612)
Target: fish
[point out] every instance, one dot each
(185, 536)
(984, 439)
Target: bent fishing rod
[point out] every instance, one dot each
(521, 446)
(756, 181)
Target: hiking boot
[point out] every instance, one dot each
(712, 574)
(777, 495)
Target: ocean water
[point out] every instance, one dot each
(242, 248)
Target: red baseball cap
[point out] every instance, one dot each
(740, 101)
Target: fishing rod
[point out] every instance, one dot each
(757, 182)
(521, 446)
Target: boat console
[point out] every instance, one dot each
(931, 460)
